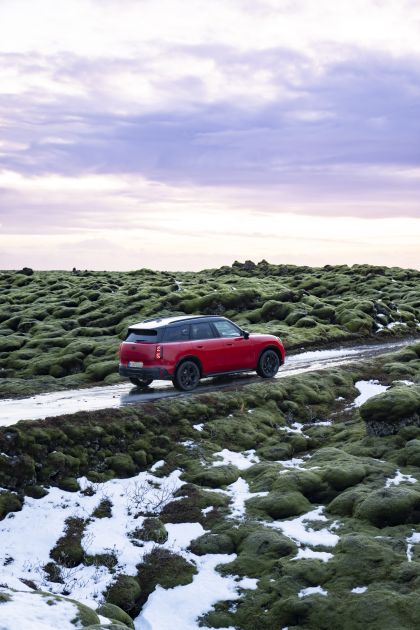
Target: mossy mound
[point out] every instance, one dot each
(114, 613)
(62, 325)
(279, 505)
(390, 506)
(152, 530)
(68, 550)
(215, 477)
(386, 413)
(9, 502)
(31, 605)
(163, 567)
(124, 592)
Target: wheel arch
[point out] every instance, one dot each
(189, 357)
(270, 347)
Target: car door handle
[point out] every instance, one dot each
(229, 344)
(200, 347)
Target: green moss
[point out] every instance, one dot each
(103, 510)
(216, 477)
(212, 543)
(68, 550)
(344, 476)
(152, 530)
(163, 567)
(267, 542)
(124, 592)
(115, 613)
(9, 502)
(122, 464)
(390, 506)
(388, 412)
(279, 505)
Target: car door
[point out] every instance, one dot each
(237, 352)
(207, 346)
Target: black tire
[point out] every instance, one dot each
(141, 382)
(187, 376)
(268, 364)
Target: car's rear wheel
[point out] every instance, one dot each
(187, 376)
(141, 382)
(269, 364)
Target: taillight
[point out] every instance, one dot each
(159, 352)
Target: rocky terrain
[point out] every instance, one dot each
(60, 330)
(291, 504)
(285, 504)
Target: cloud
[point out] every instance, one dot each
(346, 136)
(171, 116)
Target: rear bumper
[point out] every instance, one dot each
(156, 373)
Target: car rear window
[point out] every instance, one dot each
(146, 335)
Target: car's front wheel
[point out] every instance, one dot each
(141, 382)
(187, 376)
(269, 364)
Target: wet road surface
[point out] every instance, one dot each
(105, 397)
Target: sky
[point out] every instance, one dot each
(186, 134)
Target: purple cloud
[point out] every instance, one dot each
(350, 133)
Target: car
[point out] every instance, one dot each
(185, 349)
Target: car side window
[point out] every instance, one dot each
(226, 329)
(177, 333)
(201, 331)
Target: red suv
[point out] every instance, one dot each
(187, 348)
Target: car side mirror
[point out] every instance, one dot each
(245, 334)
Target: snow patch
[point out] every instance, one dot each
(29, 535)
(399, 478)
(157, 465)
(312, 590)
(411, 541)
(37, 612)
(242, 461)
(190, 601)
(299, 531)
(359, 589)
(309, 554)
(367, 389)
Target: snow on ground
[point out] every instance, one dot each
(29, 535)
(359, 589)
(242, 461)
(393, 324)
(296, 427)
(198, 427)
(180, 607)
(299, 530)
(309, 554)
(240, 493)
(157, 465)
(295, 462)
(367, 389)
(399, 478)
(312, 590)
(412, 540)
(36, 612)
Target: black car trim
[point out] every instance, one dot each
(144, 373)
